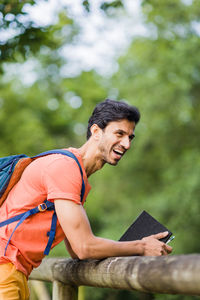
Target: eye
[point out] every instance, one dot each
(119, 133)
(131, 137)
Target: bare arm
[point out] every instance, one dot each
(69, 249)
(85, 244)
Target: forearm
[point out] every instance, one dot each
(84, 244)
(98, 248)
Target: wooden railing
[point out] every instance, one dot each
(174, 274)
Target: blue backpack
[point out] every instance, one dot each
(11, 169)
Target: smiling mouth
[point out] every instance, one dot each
(118, 152)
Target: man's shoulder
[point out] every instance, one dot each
(52, 161)
(55, 159)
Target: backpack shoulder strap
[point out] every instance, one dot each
(47, 205)
(69, 154)
(12, 168)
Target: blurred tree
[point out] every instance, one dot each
(161, 75)
(29, 37)
(41, 102)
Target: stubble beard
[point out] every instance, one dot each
(106, 157)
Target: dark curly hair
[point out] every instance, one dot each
(112, 110)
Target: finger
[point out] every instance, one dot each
(168, 248)
(164, 250)
(160, 235)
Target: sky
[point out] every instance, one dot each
(101, 39)
(100, 42)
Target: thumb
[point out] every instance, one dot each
(160, 235)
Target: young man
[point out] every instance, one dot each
(57, 178)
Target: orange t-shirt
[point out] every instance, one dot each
(50, 177)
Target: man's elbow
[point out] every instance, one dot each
(84, 251)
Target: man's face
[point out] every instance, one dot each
(116, 140)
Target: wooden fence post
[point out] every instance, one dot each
(64, 292)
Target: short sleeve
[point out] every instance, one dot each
(62, 180)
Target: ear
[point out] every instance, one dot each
(96, 132)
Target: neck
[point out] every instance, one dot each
(91, 159)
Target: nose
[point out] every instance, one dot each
(126, 143)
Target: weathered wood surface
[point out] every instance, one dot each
(165, 274)
(61, 291)
(39, 289)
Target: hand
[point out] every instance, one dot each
(154, 247)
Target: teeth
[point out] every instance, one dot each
(118, 152)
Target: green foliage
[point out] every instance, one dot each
(160, 74)
(45, 116)
(52, 111)
(114, 4)
(86, 4)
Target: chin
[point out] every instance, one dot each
(113, 163)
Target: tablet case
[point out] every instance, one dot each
(143, 226)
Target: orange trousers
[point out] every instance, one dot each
(13, 283)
